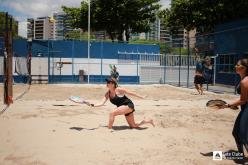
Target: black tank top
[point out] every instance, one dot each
(239, 92)
(239, 87)
(119, 101)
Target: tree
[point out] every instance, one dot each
(204, 14)
(116, 17)
(2, 25)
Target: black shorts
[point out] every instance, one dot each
(199, 79)
(130, 105)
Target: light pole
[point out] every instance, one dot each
(88, 41)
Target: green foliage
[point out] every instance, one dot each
(76, 35)
(164, 47)
(203, 14)
(82, 35)
(115, 16)
(2, 25)
(184, 51)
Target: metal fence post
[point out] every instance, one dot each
(164, 67)
(188, 57)
(215, 63)
(72, 59)
(49, 65)
(101, 60)
(179, 69)
(138, 56)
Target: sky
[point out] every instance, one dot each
(23, 9)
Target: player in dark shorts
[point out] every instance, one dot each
(199, 79)
(125, 106)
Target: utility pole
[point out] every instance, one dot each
(8, 82)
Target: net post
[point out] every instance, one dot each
(10, 63)
(8, 80)
(5, 60)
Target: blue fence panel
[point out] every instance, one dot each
(79, 49)
(230, 39)
(20, 48)
(40, 48)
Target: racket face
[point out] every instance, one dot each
(215, 104)
(76, 99)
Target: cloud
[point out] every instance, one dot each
(38, 8)
(22, 29)
(24, 9)
(35, 8)
(165, 3)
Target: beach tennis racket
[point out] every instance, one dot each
(80, 100)
(217, 104)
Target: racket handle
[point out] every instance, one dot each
(89, 104)
(232, 107)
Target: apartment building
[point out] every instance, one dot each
(39, 29)
(44, 28)
(162, 33)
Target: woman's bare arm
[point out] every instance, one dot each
(125, 91)
(104, 100)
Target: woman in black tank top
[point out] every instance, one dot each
(240, 129)
(125, 106)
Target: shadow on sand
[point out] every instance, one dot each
(81, 128)
(124, 127)
(115, 128)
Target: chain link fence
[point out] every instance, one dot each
(218, 52)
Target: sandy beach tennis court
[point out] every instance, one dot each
(45, 128)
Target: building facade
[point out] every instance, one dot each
(160, 32)
(61, 26)
(39, 29)
(44, 28)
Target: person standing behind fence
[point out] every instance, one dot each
(114, 74)
(198, 79)
(208, 70)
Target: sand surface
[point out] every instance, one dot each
(45, 128)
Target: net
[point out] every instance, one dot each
(21, 66)
(21, 76)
